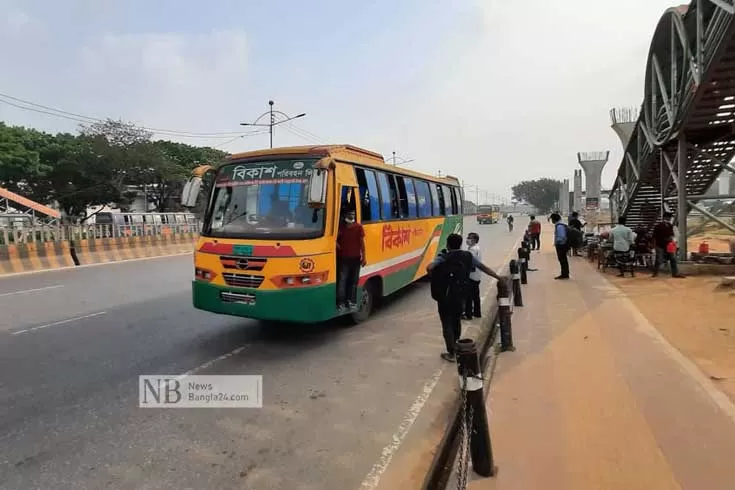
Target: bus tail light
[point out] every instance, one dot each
(204, 274)
(300, 280)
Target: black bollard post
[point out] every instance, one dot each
(516, 278)
(506, 333)
(523, 265)
(475, 415)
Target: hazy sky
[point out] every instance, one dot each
(491, 91)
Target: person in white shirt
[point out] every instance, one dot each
(472, 303)
(623, 239)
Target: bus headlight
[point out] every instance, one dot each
(300, 280)
(204, 274)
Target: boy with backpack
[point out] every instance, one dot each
(450, 276)
(472, 300)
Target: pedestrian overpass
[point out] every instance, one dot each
(685, 134)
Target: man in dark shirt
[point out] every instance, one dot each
(350, 256)
(663, 236)
(450, 309)
(575, 223)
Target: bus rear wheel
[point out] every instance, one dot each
(367, 302)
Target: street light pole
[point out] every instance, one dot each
(270, 126)
(272, 120)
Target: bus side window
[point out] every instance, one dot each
(364, 194)
(457, 200)
(386, 204)
(448, 205)
(423, 196)
(395, 212)
(368, 195)
(435, 205)
(410, 197)
(442, 201)
(402, 196)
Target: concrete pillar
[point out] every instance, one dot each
(592, 164)
(623, 123)
(577, 203)
(564, 205)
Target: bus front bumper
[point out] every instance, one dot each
(310, 304)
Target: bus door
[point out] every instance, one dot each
(349, 197)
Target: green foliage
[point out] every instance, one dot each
(98, 166)
(540, 193)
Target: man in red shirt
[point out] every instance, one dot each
(534, 228)
(350, 256)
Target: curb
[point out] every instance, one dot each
(443, 462)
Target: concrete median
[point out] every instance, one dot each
(104, 250)
(34, 256)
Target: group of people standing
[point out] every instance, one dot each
(626, 241)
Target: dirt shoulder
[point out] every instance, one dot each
(696, 315)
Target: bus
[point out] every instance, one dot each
(267, 248)
(488, 214)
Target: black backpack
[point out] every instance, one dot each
(575, 237)
(450, 279)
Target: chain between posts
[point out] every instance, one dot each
(463, 460)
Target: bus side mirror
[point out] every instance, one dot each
(191, 192)
(318, 188)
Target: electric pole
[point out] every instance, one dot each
(272, 120)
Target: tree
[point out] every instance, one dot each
(540, 193)
(99, 166)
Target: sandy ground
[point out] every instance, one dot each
(718, 242)
(696, 315)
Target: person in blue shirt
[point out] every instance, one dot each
(450, 308)
(561, 244)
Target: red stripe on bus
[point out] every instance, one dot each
(391, 269)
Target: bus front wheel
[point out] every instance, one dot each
(367, 302)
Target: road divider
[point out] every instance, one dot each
(34, 256)
(103, 250)
(59, 247)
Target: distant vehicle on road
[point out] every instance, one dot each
(488, 214)
(268, 244)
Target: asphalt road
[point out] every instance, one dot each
(73, 343)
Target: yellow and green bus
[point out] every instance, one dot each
(488, 214)
(267, 249)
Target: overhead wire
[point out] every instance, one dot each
(52, 111)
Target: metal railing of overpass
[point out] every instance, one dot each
(684, 136)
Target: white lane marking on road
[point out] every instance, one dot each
(373, 478)
(24, 291)
(60, 322)
(209, 363)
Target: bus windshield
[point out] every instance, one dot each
(484, 209)
(266, 200)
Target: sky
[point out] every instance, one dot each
(493, 92)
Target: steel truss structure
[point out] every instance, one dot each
(685, 134)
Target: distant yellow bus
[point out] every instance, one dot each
(488, 214)
(268, 244)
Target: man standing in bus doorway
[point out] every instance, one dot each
(350, 257)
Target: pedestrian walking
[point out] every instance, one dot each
(575, 223)
(561, 243)
(450, 275)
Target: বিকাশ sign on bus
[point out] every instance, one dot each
(284, 172)
(398, 236)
